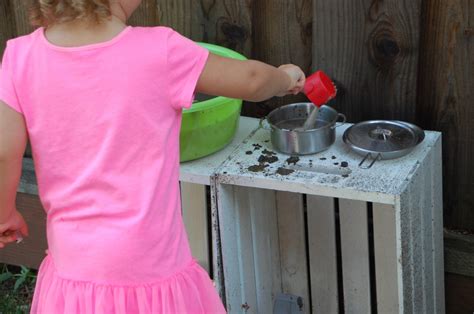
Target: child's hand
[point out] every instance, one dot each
(297, 77)
(14, 226)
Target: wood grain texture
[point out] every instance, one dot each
(183, 16)
(385, 251)
(7, 24)
(147, 14)
(245, 249)
(370, 48)
(194, 208)
(459, 253)
(30, 252)
(445, 100)
(292, 240)
(459, 292)
(262, 203)
(20, 14)
(226, 23)
(323, 254)
(282, 34)
(355, 256)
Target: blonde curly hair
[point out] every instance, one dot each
(49, 12)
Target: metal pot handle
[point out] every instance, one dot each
(263, 124)
(341, 123)
(369, 155)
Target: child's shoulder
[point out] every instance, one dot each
(22, 46)
(163, 32)
(25, 40)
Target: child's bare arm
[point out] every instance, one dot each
(249, 80)
(13, 138)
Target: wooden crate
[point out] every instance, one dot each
(346, 239)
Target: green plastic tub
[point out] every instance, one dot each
(211, 123)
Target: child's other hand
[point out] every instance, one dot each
(10, 229)
(297, 77)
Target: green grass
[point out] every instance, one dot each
(16, 289)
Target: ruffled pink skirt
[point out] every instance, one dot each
(188, 291)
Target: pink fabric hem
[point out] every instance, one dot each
(188, 291)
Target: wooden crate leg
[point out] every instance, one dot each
(355, 256)
(322, 254)
(195, 216)
(419, 230)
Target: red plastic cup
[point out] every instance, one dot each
(319, 88)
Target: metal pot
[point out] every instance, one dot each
(285, 139)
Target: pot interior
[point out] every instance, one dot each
(293, 116)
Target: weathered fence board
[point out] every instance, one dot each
(7, 24)
(282, 34)
(227, 23)
(147, 14)
(22, 23)
(30, 252)
(445, 100)
(371, 48)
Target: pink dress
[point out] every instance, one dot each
(104, 122)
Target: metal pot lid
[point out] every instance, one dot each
(383, 136)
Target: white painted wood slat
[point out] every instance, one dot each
(266, 247)
(230, 255)
(245, 248)
(291, 232)
(427, 235)
(385, 250)
(251, 254)
(195, 216)
(355, 256)
(322, 254)
(416, 245)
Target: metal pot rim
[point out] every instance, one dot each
(329, 125)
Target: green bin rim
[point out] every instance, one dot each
(218, 100)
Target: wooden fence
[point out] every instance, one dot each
(392, 59)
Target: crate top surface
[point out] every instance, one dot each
(323, 173)
(319, 174)
(200, 171)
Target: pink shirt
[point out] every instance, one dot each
(104, 122)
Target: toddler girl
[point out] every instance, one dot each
(101, 104)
